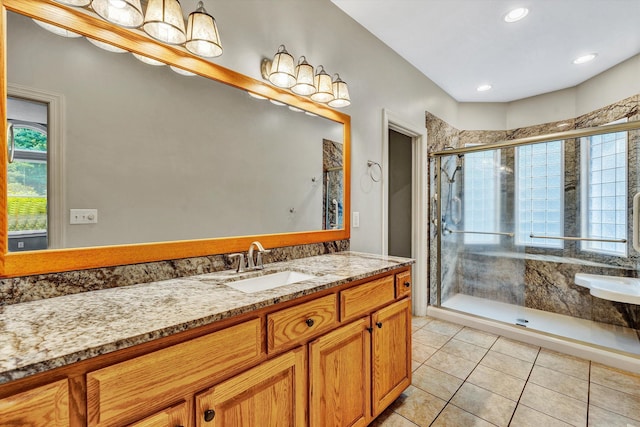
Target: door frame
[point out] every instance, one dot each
(419, 198)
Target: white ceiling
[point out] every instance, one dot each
(461, 44)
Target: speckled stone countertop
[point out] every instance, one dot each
(41, 335)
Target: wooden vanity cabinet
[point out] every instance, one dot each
(179, 415)
(46, 406)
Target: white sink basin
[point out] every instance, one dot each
(621, 289)
(269, 281)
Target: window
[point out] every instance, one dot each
(539, 194)
(481, 197)
(604, 192)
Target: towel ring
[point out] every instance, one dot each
(371, 163)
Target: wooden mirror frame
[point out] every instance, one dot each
(26, 263)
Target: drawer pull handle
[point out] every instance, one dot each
(309, 322)
(379, 325)
(209, 414)
(407, 284)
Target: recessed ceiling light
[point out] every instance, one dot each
(585, 58)
(516, 14)
(483, 88)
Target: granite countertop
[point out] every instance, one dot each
(41, 335)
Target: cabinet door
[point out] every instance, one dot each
(273, 394)
(43, 406)
(175, 416)
(391, 353)
(339, 377)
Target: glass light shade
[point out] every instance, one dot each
(278, 103)
(181, 71)
(164, 22)
(304, 78)
(76, 3)
(148, 60)
(322, 82)
(340, 94)
(202, 34)
(281, 73)
(256, 96)
(106, 46)
(126, 13)
(59, 31)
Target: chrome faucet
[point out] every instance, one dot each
(241, 264)
(261, 250)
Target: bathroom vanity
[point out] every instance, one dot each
(334, 349)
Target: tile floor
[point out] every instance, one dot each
(463, 377)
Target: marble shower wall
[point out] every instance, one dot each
(30, 288)
(540, 278)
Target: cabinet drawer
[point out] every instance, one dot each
(362, 299)
(403, 284)
(42, 406)
(178, 415)
(145, 384)
(292, 325)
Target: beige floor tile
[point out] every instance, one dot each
(418, 406)
(451, 364)
(527, 417)
(517, 349)
(390, 419)
(452, 416)
(420, 352)
(418, 322)
(556, 381)
(443, 327)
(497, 382)
(599, 417)
(436, 382)
(484, 404)
(464, 350)
(415, 365)
(507, 364)
(555, 404)
(430, 338)
(613, 378)
(615, 401)
(564, 363)
(476, 337)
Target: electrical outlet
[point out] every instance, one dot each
(83, 216)
(356, 219)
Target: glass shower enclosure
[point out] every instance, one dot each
(516, 226)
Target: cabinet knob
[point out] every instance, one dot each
(407, 284)
(379, 325)
(370, 329)
(309, 322)
(209, 414)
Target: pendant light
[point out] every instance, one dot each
(340, 93)
(164, 22)
(126, 13)
(76, 3)
(322, 82)
(202, 34)
(281, 73)
(304, 78)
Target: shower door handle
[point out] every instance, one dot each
(11, 143)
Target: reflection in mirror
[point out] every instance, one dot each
(165, 157)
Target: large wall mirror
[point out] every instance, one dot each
(111, 160)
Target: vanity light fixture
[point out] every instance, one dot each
(324, 89)
(164, 22)
(340, 93)
(148, 60)
(76, 3)
(59, 31)
(126, 13)
(278, 103)
(280, 69)
(484, 88)
(256, 96)
(516, 14)
(203, 38)
(106, 46)
(304, 78)
(296, 109)
(585, 58)
(181, 71)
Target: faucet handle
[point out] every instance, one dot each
(241, 264)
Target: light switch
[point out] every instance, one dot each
(356, 219)
(83, 216)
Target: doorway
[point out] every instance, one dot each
(399, 202)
